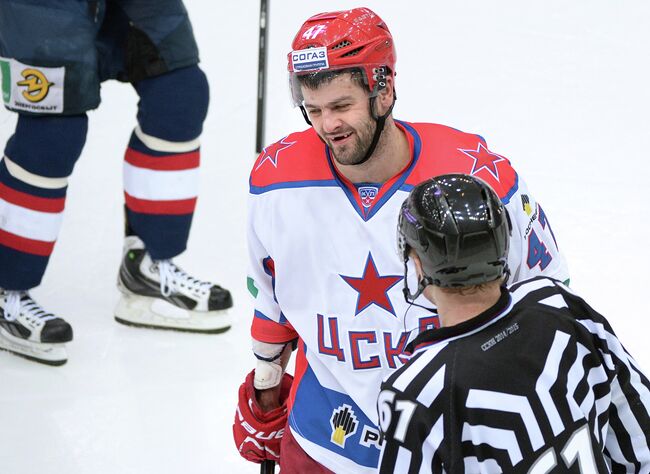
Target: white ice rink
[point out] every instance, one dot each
(561, 88)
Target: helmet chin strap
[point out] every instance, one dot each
(422, 284)
(306, 117)
(380, 121)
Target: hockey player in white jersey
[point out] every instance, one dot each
(321, 236)
(523, 379)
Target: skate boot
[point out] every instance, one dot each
(27, 330)
(158, 294)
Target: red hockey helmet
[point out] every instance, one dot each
(347, 39)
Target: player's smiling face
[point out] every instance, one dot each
(340, 113)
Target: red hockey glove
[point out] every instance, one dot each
(257, 433)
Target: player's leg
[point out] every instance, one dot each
(161, 177)
(294, 459)
(38, 159)
(43, 85)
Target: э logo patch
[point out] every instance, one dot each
(37, 85)
(367, 195)
(344, 424)
(30, 88)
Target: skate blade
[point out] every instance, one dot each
(49, 354)
(155, 313)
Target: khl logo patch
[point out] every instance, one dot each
(367, 195)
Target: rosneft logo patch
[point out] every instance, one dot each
(37, 85)
(525, 203)
(344, 424)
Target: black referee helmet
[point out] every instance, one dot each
(459, 229)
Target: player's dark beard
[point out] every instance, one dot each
(355, 153)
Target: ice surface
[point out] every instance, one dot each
(561, 88)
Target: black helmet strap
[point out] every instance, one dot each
(422, 284)
(380, 84)
(380, 121)
(305, 116)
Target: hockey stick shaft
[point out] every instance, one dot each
(267, 467)
(261, 74)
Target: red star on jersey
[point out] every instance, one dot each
(272, 152)
(372, 288)
(483, 159)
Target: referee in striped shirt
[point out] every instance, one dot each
(523, 379)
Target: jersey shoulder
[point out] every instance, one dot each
(555, 297)
(446, 150)
(299, 159)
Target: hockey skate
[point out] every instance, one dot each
(158, 294)
(27, 330)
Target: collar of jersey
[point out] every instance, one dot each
(387, 189)
(444, 334)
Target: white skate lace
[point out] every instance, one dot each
(173, 279)
(17, 302)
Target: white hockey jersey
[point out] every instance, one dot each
(324, 269)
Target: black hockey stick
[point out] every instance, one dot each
(261, 74)
(267, 467)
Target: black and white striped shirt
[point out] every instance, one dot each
(539, 383)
